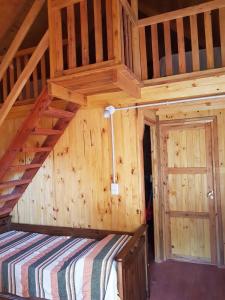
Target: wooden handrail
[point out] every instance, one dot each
(24, 28)
(58, 4)
(22, 52)
(27, 51)
(24, 76)
(180, 13)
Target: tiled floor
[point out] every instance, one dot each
(185, 281)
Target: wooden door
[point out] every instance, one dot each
(188, 191)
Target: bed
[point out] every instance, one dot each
(46, 262)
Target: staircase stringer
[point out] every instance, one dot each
(29, 126)
(41, 157)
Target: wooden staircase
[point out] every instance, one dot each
(11, 190)
(16, 175)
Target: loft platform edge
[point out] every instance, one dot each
(94, 82)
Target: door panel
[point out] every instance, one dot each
(187, 192)
(187, 175)
(190, 238)
(186, 147)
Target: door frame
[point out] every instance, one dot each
(152, 124)
(212, 120)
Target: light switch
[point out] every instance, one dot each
(115, 189)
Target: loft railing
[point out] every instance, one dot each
(16, 72)
(23, 80)
(34, 84)
(184, 41)
(97, 34)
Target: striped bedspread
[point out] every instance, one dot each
(59, 267)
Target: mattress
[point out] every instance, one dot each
(59, 267)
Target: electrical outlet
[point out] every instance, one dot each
(115, 189)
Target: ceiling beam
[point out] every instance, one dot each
(61, 92)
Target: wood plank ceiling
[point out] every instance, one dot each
(12, 14)
(152, 7)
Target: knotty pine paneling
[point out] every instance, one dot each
(73, 186)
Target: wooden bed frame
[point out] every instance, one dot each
(133, 281)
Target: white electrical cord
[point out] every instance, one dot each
(113, 150)
(111, 109)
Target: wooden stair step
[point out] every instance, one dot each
(36, 149)
(46, 131)
(19, 168)
(58, 113)
(10, 197)
(12, 183)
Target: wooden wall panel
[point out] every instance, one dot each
(184, 143)
(191, 187)
(221, 141)
(190, 241)
(73, 186)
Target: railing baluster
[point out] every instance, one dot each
(55, 41)
(181, 45)
(35, 83)
(58, 41)
(11, 75)
(194, 43)
(135, 42)
(122, 35)
(130, 44)
(168, 51)
(143, 50)
(109, 29)
(98, 31)
(72, 61)
(222, 34)
(5, 85)
(84, 32)
(155, 51)
(209, 40)
(43, 71)
(126, 44)
(18, 71)
(27, 86)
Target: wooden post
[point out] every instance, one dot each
(55, 40)
(136, 42)
(143, 52)
(222, 34)
(116, 31)
(194, 43)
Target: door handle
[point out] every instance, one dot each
(210, 195)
